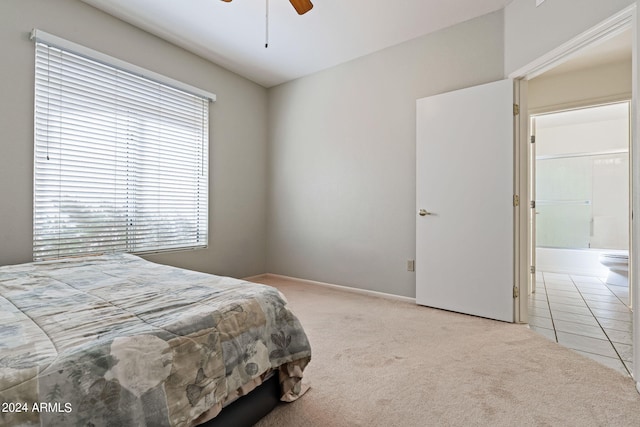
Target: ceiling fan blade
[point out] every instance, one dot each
(228, 1)
(302, 6)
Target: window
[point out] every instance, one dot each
(121, 160)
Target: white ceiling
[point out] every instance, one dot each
(232, 35)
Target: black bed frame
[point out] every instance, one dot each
(249, 409)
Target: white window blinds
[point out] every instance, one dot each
(121, 161)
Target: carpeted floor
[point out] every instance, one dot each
(379, 362)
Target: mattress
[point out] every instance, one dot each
(116, 340)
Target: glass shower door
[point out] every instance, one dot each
(582, 201)
(564, 205)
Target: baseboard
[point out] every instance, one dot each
(338, 287)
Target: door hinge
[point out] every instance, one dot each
(532, 204)
(516, 109)
(532, 269)
(516, 292)
(516, 200)
(533, 139)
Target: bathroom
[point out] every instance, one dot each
(581, 296)
(582, 191)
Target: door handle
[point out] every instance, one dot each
(424, 212)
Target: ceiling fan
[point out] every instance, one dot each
(301, 6)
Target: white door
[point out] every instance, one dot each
(465, 190)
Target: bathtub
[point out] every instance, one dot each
(573, 261)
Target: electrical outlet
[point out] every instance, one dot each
(411, 265)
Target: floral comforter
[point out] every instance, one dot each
(115, 340)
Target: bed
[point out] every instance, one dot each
(117, 340)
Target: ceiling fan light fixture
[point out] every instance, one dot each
(302, 6)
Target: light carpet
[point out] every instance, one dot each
(380, 362)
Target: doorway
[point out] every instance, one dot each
(581, 174)
(582, 220)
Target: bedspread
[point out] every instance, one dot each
(115, 340)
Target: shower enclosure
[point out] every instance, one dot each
(582, 187)
(582, 201)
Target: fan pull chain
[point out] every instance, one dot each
(266, 31)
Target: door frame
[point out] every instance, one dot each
(522, 247)
(622, 21)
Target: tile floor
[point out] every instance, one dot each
(586, 315)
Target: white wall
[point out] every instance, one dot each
(342, 156)
(570, 132)
(237, 237)
(581, 87)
